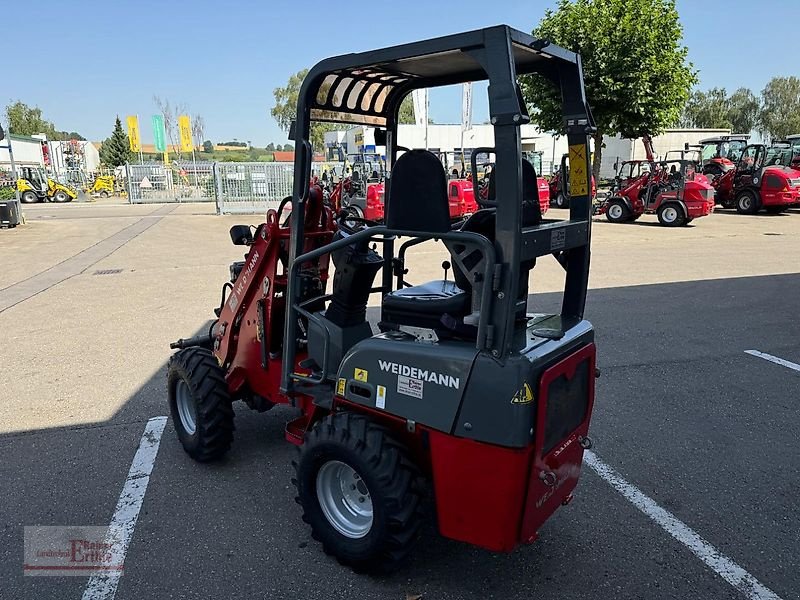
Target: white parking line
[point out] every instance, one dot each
(774, 359)
(713, 558)
(127, 511)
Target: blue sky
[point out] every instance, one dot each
(85, 61)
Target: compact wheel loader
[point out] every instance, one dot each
(459, 405)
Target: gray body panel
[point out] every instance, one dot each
(423, 381)
(419, 380)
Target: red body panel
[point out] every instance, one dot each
(729, 184)
(494, 497)
(461, 197)
(374, 208)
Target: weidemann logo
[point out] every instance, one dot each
(440, 378)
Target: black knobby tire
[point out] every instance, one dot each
(746, 203)
(61, 197)
(394, 488)
(617, 212)
(671, 214)
(195, 374)
(29, 197)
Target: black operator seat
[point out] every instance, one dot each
(417, 202)
(483, 222)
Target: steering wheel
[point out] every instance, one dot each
(346, 219)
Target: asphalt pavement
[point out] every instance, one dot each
(93, 294)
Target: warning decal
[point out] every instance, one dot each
(380, 398)
(410, 386)
(578, 185)
(361, 375)
(340, 386)
(523, 396)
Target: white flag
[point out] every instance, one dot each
(466, 107)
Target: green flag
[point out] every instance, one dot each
(159, 134)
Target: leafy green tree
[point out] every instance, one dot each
(743, 111)
(208, 147)
(406, 114)
(285, 110)
(115, 151)
(26, 120)
(270, 147)
(635, 66)
(780, 107)
(707, 110)
(288, 148)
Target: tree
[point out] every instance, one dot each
(26, 120)
(714, 109)
(635, 67)
(208, 147)
(198, 130)
(707, 110)
(171, 114)
(270, 147)
(285, 110)
(406, 114)
(115, 151)
(780, 107)
(288, 148)
(743, 111)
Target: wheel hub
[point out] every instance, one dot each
(344, 499)
(187, 411)
(670, 214)
(615, 211)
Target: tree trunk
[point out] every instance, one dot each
(598, 154)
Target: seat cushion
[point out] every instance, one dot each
(424, 305)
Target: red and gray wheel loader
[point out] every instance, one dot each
(720, 154)
(458, 405)
(762, 179)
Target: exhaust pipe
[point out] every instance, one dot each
(203, 341)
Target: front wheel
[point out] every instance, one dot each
(617, 212)
(746, 203)
(562, 201)
(29, 197)
(671, 215)
(61, 196)
(360, 493)
(200, 404)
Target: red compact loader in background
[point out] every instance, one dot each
(720, 154)
(761, 179)
(461, 406)
(559, 190)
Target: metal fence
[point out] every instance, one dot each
(177, 182)
(257, 187)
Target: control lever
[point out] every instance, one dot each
(446, 266)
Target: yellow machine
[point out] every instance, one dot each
(35, 186)
(103, 186)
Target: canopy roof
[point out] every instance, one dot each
(361, 88)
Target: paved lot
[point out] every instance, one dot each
(91, 295)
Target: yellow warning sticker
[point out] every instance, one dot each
(361, 375)
(340, 386)
(578, 185)
(524, 395)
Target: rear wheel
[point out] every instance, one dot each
(359, 492)
(29, 197)
(671, 215)
(200, 404)
(562, 201)
(746, 203)
(104, 194)
(617, 212)
(61, 196)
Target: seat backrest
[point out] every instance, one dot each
(483, 221)
(416, 199)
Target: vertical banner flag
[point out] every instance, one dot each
(159, 133)
(133, 133)
(420, 98)
(466, 107)
(185, 127)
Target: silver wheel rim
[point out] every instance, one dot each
(560, 202)
(344, 499)
(187, 411)
(744, 202)
(60, 196)
(615, 211)
(670, 214)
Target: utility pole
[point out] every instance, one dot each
(14, 177)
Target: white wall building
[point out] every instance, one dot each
(27, 151)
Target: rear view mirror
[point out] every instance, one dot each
(241, 235)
